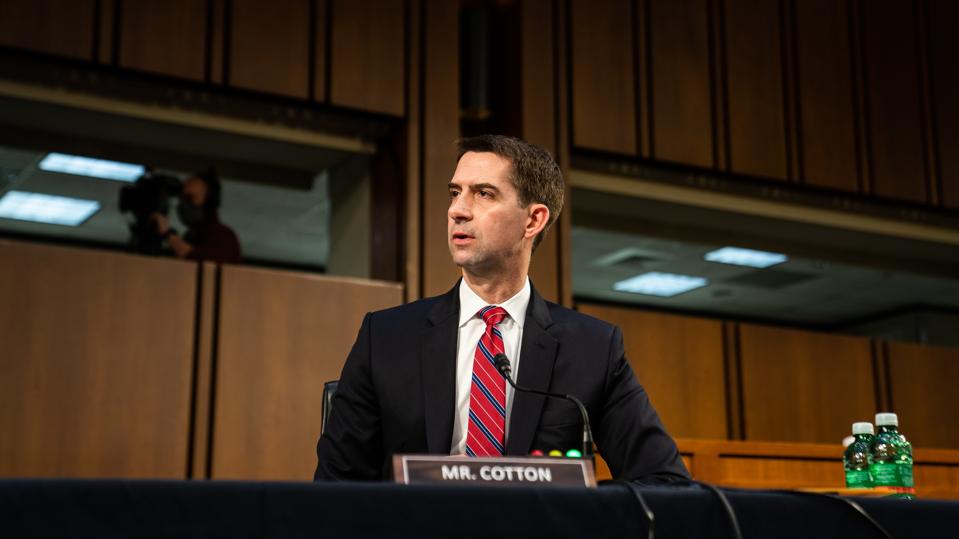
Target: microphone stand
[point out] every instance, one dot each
(503, 366)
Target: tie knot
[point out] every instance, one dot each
(492, 315)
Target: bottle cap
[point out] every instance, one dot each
(862, 427)
(886, 419)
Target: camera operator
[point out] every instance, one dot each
(206, 237)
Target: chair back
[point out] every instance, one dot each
(329, 389)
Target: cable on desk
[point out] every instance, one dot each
(650, 517)
(730, 513)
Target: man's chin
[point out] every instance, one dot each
(462, 258)
(461, 261)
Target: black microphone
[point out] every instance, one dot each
(503, 366)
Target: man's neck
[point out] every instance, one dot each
(495, 290)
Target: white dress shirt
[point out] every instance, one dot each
(471, 328)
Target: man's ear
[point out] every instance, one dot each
(536, 222)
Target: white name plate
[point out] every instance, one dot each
(528, 471)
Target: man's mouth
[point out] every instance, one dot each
(460, 238)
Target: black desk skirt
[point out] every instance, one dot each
(120, 508)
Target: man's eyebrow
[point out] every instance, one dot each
(475, 186)
(480, 186)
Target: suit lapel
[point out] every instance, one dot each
(438, 372)
(537, 357)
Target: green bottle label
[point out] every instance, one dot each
(905, 474)
(885, 474)
(858, 479)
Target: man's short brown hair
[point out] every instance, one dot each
(533, 172)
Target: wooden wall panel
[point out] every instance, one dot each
(440, 128)
(944, 42)
(269, 49)
(756, 121)
(680, 71)
(922, 383)
(893, 103)
(60, 27)
(804, 386)
(167, 37)
(281, 336)
(679, 361)
(96, 363)
(539, 124)
(603, 76)
(367, 56)
(827, 121)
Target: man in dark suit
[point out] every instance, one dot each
(419, 378)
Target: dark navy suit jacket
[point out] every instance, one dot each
(397, 390)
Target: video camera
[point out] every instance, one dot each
(150, 194)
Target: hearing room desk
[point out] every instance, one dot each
(114, 508)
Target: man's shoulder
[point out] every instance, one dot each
(409, 312)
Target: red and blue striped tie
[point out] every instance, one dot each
(486, 435)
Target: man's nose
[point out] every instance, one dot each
(459, 209)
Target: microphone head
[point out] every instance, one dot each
(502, 363)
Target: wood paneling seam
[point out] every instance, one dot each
(927, 118)
(214, 367)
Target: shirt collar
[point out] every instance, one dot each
(471, 303)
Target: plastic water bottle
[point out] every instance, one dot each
(891, 457)
(856, 459)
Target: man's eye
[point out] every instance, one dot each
(485, 194)
(454, 194)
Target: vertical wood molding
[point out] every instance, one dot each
(792, 96)
(735, 420)
(719, 84)
(563, 83)
(413, 233)
(202, 371)
(859, 88)
(924, 60)
(643, 77)
(319, 49)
